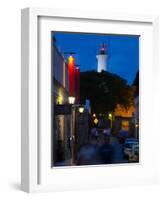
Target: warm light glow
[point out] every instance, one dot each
(125, 125)
(71, 75)
(59, 99)
(81, 109)
(71, 100)
(110, 116)
(136, 125)
(120, 111)
(71, 60)
(95, 120)
(94, 115)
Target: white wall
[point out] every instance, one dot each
(10, 96)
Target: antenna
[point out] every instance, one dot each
(69, 53)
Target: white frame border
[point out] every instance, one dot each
(30, 78)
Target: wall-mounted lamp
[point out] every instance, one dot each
(81, 109)
(71, 100)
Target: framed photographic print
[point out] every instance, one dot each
(95, 103)
(89, 99)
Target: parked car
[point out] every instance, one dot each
(128, 140)
(122, 135)
(128, 146)
(134, 154)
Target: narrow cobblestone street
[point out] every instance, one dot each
(118, 151)
(92, 153)
(101, 152)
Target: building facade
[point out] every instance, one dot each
(123, 119)
(136, 102)
(61, 130)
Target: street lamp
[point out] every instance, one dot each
(81, 109)
(71, 100)
(111, 119)
(95, 121)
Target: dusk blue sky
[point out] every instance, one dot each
(123, 51)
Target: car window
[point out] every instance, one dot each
(128, 145)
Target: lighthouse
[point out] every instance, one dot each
(102, 59)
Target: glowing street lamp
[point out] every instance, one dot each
(81, 109)
(71, 100)
(95, 121)
(110, 116)
(111, 119)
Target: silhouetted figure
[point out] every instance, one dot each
(106, 151)
(94, 133)
(88, 154)
(107, 132)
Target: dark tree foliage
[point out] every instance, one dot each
(105, 90)
(136, 84)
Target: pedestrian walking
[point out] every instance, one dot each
(94, 133)
(88, 154)
(106, 152)
(107, 132)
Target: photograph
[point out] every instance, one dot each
(94, 99)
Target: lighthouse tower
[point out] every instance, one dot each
(102, 59)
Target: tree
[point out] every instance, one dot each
(105, 90)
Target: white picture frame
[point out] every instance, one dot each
(36, 171)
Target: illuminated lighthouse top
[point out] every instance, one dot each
(102, 59)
